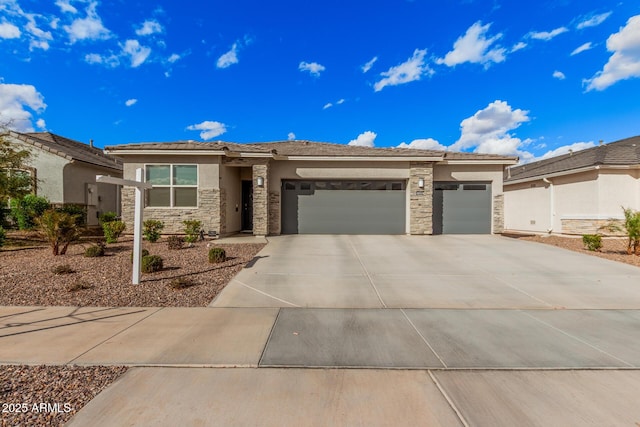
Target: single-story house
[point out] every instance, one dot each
(302, 187)
(575, 193)
(65, 170)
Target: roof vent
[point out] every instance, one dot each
(91, 143)
(601, 142)
(570, 152)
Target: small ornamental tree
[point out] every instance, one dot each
(14, 182)
(60, 230)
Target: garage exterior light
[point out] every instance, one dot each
(420, 182)
(260, 181)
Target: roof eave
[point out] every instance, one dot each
(505, 162)
(122, 153)
(362, 158)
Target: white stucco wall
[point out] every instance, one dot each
(526, 207)
(471, 172)
(77, 177)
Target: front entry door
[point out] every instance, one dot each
(247, 205)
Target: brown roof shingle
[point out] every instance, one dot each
(619, 153)
(69, 148)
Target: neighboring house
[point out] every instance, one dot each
(304, 187)
(575, 193)
(65, 172)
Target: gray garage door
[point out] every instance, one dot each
(343, 207)
(461, 208)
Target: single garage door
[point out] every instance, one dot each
(343, 207)
(461, 208)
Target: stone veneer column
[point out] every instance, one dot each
(274, 213)
(260, 200)
(498, 213)
(421, 199)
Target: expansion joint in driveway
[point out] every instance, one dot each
(366, 272)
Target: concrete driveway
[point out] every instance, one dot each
(452, 272)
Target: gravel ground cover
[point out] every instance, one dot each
(613, 248)
(50, 395)
(27, 277)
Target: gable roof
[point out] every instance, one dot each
(68, 148)
(625, 152)
(302, 148)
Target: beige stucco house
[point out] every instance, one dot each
(302, 187)
(65, 172)
(575, 193)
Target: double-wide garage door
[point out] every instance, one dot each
(343, 207)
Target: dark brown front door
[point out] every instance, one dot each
(247, 205)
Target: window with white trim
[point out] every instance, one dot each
(174, 186)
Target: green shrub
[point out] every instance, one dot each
(632, 227)
(79, 286)
(94, 251)
(4, 214)
(217, 255)
(112, 230)
(59, 229)
(79, 211)
(175, 242)
(144, 254)
(592, 242)
(3, 236)
(107, 217)
(25, 211)
(181, 283)
(192, 230)
(152, 229)
(62, 269)
(151, 263)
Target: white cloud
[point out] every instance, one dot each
(559, 75)
(291, 136)
(340, 101)
(9, 31)
(424, 144)
(130, 102)
(229, 58)
(625, 61)
(475, 47)
(327, 105)
(487, 131)
(593, 21)
(518, 46)
(577, 146)
(581, 48)
(149, 27)
(89, 28)
(365, 139)
(110, 60)
(366, 67)
(312, 67)
(136, 52)
(410, 70)
(173, 58)
(40, 123)
(65, 6)
(547, 35)
(209, 129)
(39, 44)
(14, 102)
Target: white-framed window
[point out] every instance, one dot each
(174, 185)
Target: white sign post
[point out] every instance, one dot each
(137, 225)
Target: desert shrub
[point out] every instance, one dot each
(78, 211)
(107, 217)
(175, 242)
(151, 263)
(217, 255)
(112, 230)
(632, 228)
(144, 254)
(3, 236)
(181, 283)
(79, 286)
(62, 269)
(152, 229)
(59, 229)
(94, 251)
(592, 242)
(24, 211)
(192, 230)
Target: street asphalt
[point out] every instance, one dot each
(366, 330)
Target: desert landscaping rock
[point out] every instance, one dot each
(26, 277)
(50, 395)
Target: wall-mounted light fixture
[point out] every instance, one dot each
(260, 181)
(420, 182)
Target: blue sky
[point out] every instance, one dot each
(508, 77)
